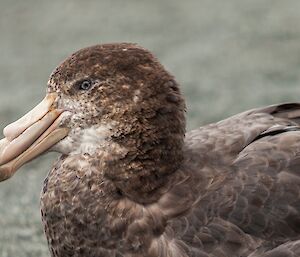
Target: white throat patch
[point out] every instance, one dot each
(86, 141)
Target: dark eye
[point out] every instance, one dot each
(85, 85)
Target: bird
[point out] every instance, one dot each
(131, 182)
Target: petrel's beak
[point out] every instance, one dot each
(30, 136)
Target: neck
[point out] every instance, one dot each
(143, 161)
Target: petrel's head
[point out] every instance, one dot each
(102, 96)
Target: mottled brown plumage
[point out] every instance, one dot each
(131, 183)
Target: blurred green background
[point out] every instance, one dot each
(228, 56)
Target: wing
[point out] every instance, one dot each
(245, 180)
(267, 183)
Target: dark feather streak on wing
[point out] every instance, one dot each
(287, 111)
(275, 131)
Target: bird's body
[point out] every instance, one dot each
(230, 197)
(128, 184)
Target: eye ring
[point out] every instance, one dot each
(85, 85)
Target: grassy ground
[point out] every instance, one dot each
(228, 56)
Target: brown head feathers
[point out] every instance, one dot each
(141, 99)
